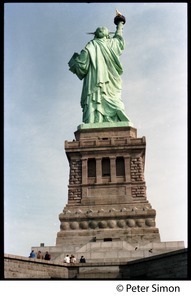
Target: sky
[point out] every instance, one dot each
(42, 109)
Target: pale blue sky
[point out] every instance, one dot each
(42, 109)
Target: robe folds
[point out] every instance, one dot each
(99, 67)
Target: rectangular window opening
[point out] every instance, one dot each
(105, 167)
(120, 166)
(91, 167)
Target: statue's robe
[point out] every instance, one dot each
(99, 66)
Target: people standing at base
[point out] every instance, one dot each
(47, 256)
(72, 259)
(67, 259)
(82, 259)
(39, 255)
(32, 254)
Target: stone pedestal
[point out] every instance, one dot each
(107, 191)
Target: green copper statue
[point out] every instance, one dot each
(99, 66)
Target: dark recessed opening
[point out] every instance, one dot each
(91, 167)
(120, 166)
(107, 240)
(105, 166)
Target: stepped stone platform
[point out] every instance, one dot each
(112, 251)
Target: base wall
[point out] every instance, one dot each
(29, 268)
(172, 265)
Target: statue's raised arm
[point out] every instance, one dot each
(99, 66)
(119, 20)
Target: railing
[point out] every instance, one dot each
(105, 142)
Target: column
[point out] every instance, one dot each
(98, 170)
(84, 171)
(113, 169)
(127, 169)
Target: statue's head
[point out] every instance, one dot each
(101, 32)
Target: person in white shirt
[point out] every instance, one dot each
(67, 259)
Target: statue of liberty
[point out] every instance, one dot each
(99, 66)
